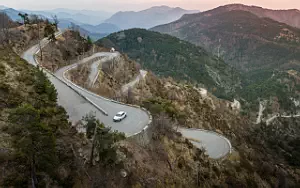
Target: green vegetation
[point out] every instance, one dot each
(89, 41)
(104, 141)
(282, 140)
(159, 105)
(49, 31)
(268, 84)
(245, 41)
(34, 122)
(257, 47)
(168, 56)
(35, 133)
(24, 18)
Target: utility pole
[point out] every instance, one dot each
(40, 40)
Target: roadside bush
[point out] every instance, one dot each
(2, 70)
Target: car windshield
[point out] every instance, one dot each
(119, 114)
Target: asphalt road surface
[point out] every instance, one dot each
(131, 84)
(216, 146)
(94, 67)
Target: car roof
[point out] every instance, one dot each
(121, 112)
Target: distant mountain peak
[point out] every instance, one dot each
(147, 18)
(164, 8)
(160, 7)
(3, 7)
(239, 5)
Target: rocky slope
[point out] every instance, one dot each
(112, 75)
(65, 50)
(19, 37)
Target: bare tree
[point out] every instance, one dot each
(34, 19)
(130, 96)
(5, 24)
(55, 21)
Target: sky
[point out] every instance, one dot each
(119, 5)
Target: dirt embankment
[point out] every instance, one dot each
(112, 75)
(22, 37)
(68, 48)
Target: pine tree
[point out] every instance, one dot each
(33, 141)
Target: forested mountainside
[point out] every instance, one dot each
(241, 38)
(168, 56)
(263, 50)
(34, 129)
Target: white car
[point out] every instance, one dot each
(120, 116)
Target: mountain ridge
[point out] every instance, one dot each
(83, 16)
(236, 33)
(140, 19)
(288, 16)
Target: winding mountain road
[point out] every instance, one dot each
(262, 107)
(216, 145)
(78, 102)
(77, 106)
(131, 84)
(270, 120)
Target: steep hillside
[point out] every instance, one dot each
(65, 50)
(147, 18)
(168, 56)
(262, 49)
(34, 129)
(261, 156)
(37, 140)
(20, 37)
(113, 74)
(241, 38)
